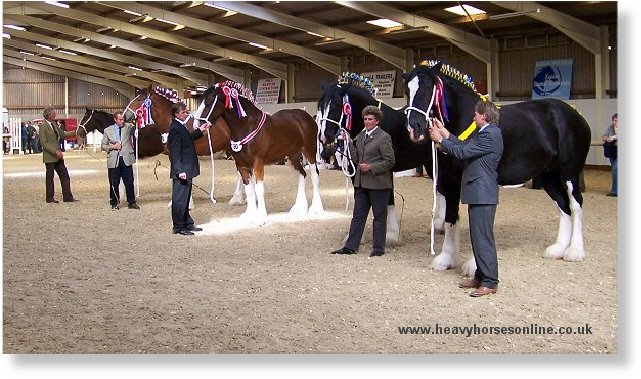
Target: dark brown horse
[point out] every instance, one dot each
(258, 139)
(154, 105)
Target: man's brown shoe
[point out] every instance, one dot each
(482, 291)
(469, 283)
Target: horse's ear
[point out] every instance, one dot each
(437, 67)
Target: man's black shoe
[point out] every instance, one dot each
(343, 250)
(133, 206)
(115, 206)
(72, 200)
(376, 253)
(184, 232)
(52, 201)
(195, 229)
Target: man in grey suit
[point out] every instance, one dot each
(479, 189)
(374, 156)
(116, 141)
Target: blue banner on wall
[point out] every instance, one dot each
(552, 79)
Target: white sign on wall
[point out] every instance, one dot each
(267, 91)
(383, 81)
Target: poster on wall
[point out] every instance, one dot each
(383, 81)
(552, 79)
(267, 91)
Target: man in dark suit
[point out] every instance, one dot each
(184, 167)
(479, 189)
(50, 135)
(374, 156)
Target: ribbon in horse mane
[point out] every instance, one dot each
(143, 114)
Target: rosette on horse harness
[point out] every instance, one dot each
(143, 113)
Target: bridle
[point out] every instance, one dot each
(86, 122)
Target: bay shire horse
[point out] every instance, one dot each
(339, 109)
(258, 139)
(154, 106)
(542, 138)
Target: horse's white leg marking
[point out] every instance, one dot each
(317, 204)
(557, 250)
(238, 198)
(300, 205)
(575, 253)
(393, 235)
(261, 216)
(250, 211)
(451, 245)
(439, 217)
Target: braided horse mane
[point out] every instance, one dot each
(242, 90)
(354, 79)
(168, 94)
(453, 73)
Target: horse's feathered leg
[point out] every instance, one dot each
(451, 245)
(575, 252)
(561, 194)
(261, 211)
(317, 204)
(238, 197)
(299, 209)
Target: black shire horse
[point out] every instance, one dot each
(339, 109)
(542, 138)
(95, 120)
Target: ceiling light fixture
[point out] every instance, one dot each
(316, 34)
(61, 5)
(142, 37)
(16, 27)
(408, 30)
(135, 68)
(67, 52)
(47, 58)
(113, 46)
(26, 53)
(103, 29)
(384, 23)
(327, 42)
(459, 10)
(5, 35)
(258, 45)
(42, 45)
(188, 64)
(132, 12)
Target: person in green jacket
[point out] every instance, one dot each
(50, 135)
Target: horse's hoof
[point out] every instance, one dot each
(442, 262)
(573, 254)
(469, 268)
(554, 252)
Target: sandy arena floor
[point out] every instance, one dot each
(83, 278)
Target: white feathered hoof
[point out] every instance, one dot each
(299, 210)
(237, 200)
(573, 254)
(442, 262)
(469, 268)
(554, 252)
(393, 238)
(316, 209)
